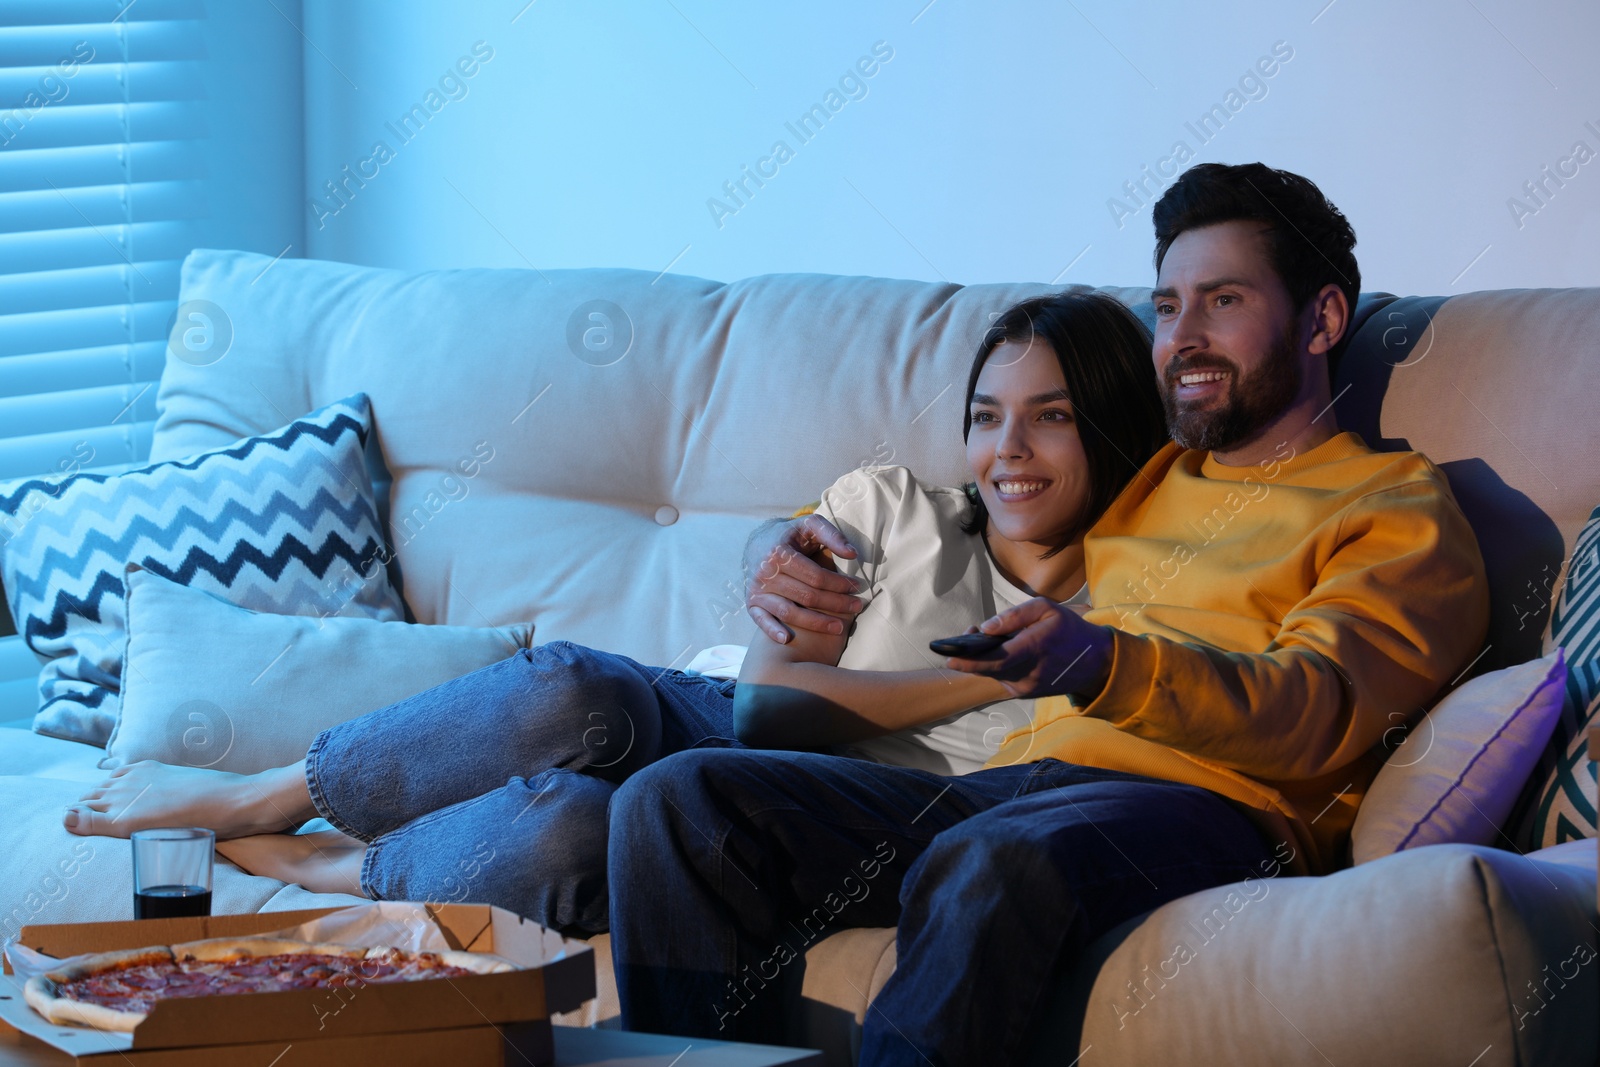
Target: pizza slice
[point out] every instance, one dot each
(232, 949)
(407, 966)
(116, 990)
(108, 991)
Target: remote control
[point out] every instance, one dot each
(968, 645)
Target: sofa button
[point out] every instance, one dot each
(666, 515)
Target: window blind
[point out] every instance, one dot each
(102, 190)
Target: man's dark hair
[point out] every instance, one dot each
(1104, 354)
(1310, 241)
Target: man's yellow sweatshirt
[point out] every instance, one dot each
(1273, 623)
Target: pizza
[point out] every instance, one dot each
(116, 990)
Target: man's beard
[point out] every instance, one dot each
(1250, 404)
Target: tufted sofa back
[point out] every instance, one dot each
(588, 449)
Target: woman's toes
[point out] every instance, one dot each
(82, 820)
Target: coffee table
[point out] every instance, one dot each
(575, 1047)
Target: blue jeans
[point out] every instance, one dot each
(727, 865)
(494, 787)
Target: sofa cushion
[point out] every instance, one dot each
(284, 522)
(23, 752)
(53, 876)
(1455, 776)
(1496, 388)
(210, 684)
(1581, 855)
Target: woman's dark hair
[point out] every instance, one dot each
(1310, 241)
(1104, 354)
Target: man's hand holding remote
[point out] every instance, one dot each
(1050, 650)
(790, 579)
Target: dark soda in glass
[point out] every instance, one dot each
(171, 902)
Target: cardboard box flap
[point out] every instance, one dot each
(519, 1044)
(72, 939)
(378, 1008)
(463, 925)
(568, 965)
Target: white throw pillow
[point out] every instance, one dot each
(210, 684)
(1455, 778)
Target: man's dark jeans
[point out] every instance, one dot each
(726, 865)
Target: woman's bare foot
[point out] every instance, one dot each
(324, 862)
(147, 794)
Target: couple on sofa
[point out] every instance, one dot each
(1206, 640)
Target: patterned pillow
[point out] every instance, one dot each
(1566, 805)
(282, 523)
(1566, 809)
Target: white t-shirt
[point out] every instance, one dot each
(925, 579)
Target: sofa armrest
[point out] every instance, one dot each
(1448, 954)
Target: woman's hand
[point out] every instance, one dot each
(1051, 651)
(789, 571)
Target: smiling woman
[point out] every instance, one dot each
(1085, 383)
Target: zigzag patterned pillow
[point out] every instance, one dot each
(1566, 806)
(282, 523)
(1566, 809)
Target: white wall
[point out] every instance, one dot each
(254, 128)
(990, 147)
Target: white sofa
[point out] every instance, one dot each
(635, 450)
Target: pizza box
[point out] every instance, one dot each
(480, 1019)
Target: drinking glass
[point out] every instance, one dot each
(172, 872)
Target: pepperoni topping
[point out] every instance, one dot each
(136, 989)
